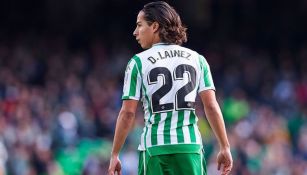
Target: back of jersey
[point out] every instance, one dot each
(168, 78)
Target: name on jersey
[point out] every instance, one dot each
(169, 54)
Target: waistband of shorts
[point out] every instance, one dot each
(174, 148)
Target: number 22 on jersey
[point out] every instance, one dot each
(168, 77)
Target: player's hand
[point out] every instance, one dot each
(224, 161)
(115, 166)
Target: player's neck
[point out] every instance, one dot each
(156, 40)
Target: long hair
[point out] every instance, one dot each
(170, 26)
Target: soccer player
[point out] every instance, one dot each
(166, 78)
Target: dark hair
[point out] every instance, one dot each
(170, 26)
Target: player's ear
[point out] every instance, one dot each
(155, 26)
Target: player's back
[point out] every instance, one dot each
(169, 78)
(170, 74)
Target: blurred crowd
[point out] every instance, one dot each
(51, 99)
(54, 99)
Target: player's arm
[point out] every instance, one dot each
(124, 124)
(216, 121)
(125, 119)
(214, 116)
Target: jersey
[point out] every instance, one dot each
(167, 78)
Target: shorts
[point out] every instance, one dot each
(172, 164)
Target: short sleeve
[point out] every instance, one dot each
(132, 82)
(206, 81)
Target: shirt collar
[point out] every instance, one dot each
(160, 43)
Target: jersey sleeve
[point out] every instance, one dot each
(206, 81)
(132, 82)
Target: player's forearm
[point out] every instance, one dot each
(216, 121)
(123, 125)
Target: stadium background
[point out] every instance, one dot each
(61, 73)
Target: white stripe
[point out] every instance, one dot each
(138, 82)
(138, 87)
(146, 118)
(197, 134)
(144, 163)
(185, 129)
(126, 85)
(152, 119)
(148, 136)
(201, 163)
(186, 134)
(173, 127)
(143, 139)
(128, 78)
(142, 146)
(161, 129)
(146, 111)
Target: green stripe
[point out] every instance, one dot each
(138, 62)
(167, 128)
(179, 131)
(206, 74)
(154, 129)
(204, 67)
(136, 69)
(191, 127)
(126, 96)
(139, 65)
(150, 114)
(174, 148)
(133, 81)
(207, 77)
(128, 64)
(201, 61)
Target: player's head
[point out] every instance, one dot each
(159, 22)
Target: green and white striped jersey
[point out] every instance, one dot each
(167, 79)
